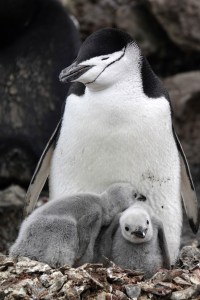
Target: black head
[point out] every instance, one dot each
(109, 55)
(99, 51)
(103, 42)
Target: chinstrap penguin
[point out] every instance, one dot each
(117, 126)
(64, 231)
(135, 240)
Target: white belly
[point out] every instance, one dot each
(102, 143)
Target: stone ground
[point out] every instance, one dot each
(27, 279)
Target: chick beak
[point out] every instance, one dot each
(140, 232)
(73, 72)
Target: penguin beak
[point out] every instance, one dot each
(73, 72)
(140, 232)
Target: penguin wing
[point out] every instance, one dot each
(163, 244)
(187, 189)
(41, 174)
(88, 227)
(106, 239)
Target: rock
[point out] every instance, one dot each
(186, 294)
(121, 296)
(30, 266)
(130, 16)
(180, 19)
(93, 15)
(189, 257)
(133, 291)
(45, 280)
(58, 281)
(13, 195)
(105, 296)
(11, 208)
(134, 18)
(11, 214)
(38, 40)
(26, 279)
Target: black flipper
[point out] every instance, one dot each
(188, 190)
(41, 173)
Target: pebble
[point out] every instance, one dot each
(132, 291)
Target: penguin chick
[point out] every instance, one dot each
(64, 231)
(135, 240)
(136, 225)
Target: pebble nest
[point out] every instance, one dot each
(27, 279)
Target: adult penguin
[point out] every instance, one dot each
(117, 126)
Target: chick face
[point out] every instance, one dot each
(136, 225)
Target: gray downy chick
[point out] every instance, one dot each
(64, 231)
(134, 240)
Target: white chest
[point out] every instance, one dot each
(106, 140)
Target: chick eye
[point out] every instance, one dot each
(147, 222)
(104, 58)
(126, 228)
(135, 195)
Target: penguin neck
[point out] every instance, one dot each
(131, 84)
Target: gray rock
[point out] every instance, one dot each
(133, 291)
(180, 19)
(121, 296)
(189, 257)
(30, 266)
(45, 280)
(57, 280)
(131, 16)
(188, 293)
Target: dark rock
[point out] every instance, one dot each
(11, 208)
(38, 39)
(11, 214)
(180, 19)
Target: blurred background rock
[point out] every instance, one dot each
(39, 39)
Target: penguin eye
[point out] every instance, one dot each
(135, 195)
(126, 228)
(147, 222)
(104, 58)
